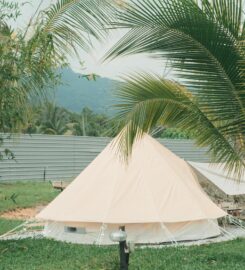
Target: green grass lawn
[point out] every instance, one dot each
(23, 195)
(44, 254)
(8, 224)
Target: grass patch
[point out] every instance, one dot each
(8, 224)
(22, 195)
(51, 255)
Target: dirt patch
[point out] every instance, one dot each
(24, 213)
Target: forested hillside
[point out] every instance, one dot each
(77, 92)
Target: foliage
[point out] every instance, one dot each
(51, 255)
(202, 42)
(25, 70)
(88, 123)
(55, 120)
(27, 194)
(52, 119)
(29, 58)
(9, 10)
(5, 153)
(173, 133)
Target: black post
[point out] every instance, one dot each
(124, 254)
(44, 174)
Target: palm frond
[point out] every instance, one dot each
(203, 43)
(73, 21)
(228, 13)
(203, 52)
(149, 101)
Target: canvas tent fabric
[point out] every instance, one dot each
(216, 173)
(156, 196)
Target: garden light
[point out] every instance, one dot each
(121, 236)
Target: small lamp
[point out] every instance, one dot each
(121, 236)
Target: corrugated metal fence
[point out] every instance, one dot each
(52, 157)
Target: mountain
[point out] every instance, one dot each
(77, 92)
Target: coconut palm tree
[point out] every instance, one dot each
(202, 42)
(53, 120)
(89, 123)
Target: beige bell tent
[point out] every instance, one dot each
(156, 197)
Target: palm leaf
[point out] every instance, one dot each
(202, 42)
(148, 101)
(227, 13)
(203, 54)
(71, 22)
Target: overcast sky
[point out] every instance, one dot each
(115, 69)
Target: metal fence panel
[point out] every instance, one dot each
(52, 157)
